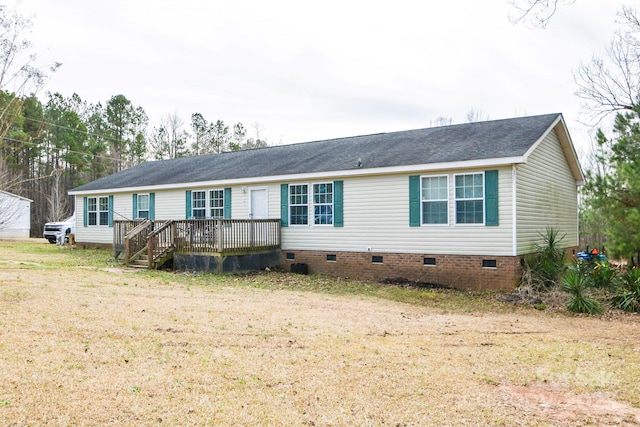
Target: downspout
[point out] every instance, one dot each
(514, 213)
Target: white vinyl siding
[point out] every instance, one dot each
(546, 196)
(386, 228)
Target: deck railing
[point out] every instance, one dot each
(227, 235)
(223, 236)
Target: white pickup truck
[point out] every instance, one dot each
(58, 232)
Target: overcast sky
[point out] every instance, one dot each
(315, 70)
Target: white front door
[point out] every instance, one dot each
(258, 203)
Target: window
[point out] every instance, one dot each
(323, 203)
(322, 200)
(199, 204)
(429, 261)
(376, 259)
(469, 194)
(216, 203)
(143, 206)
(203, 204)
(435, 200)
(98, 211)
(331, 257)
(291, 255)
(298, 204)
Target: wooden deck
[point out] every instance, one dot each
(154, 240)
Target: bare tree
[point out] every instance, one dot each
(441, 121)
(612, 83)
(474, 115)
(57, 199)
(538, 12)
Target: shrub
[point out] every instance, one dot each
(575, 282)
(604, 275)
(627, 296)
(544, 268)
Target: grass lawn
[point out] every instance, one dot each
(84, 341)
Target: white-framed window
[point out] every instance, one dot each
(323, 203)
(203, 204)
(199, 204)
(469, 197)
(142, 206)
(97, 210)
(216, 203)
(298, 204)
(315, 199)
(435, 199)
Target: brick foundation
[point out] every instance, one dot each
(459, 271)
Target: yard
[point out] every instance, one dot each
(85, 342)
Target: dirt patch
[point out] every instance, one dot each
(556, 404)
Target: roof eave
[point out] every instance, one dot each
(360, 172)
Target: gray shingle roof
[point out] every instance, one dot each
(455, 143)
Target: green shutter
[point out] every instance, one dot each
(227, 202)
(338, 198)
(188, 205)
(284, 205)
(491, 197)
(110, 211)
(152, 206)
(414, 201)
(135, 206)
(85, 215)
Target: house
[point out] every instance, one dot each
(15, 216)
(456, 205)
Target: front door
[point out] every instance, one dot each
(258, 203)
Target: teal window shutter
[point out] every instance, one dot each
(227, 202)
(134, 215)
(491, 197)
(188, 205)
(110, 211)
(85, 215)
(284, 205)
(414, 201)
(152, 206)
(338, 204)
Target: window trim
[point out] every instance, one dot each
(138, 210)
(311, 205)
(206, 203)
(482, 199)
(98, 211)
(448, 200)
(293, 205)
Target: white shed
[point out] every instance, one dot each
(15, 215)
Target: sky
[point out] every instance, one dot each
(298, 71)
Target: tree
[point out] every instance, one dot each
(612, 83)
(538, 12)
(126, 125)
(21, 77)
(613, 190)
(169, 140)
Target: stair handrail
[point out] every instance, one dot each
(153, 240)
(135, 239)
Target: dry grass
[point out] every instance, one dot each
(83, 342)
